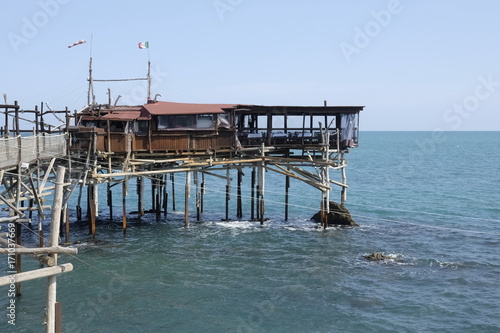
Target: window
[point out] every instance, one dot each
(205, 121)
(141, 127)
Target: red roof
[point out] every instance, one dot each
(172, 108)
(122, 115)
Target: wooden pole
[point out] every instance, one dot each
(36, 274)
(158, 198)
(153, 190)
(140, 195)
(110, 200)
(18, 224)
(198, 196)
(92, 208)
(165, 195)
(186, 198)
(40, 214)
(344, 181)
(67, 225)
(54, 241)
(124, 205)
(261, 189)
(287, 186)
(38, 250)
(58, 318)
(252, 195)
(109, 191)
(202, 189)
(172, 178)
(228, 196)
(18, 256)
(16, 110)
(239, 208)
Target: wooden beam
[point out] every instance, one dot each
(39, 250)
(36, 274)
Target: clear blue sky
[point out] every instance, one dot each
(415, 65)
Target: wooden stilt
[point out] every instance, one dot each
(30, 205)
(344, 188)
(202, 190)
(158, 198)
(324, 210)
(186, 198)
(239, 208)
(110, 200)
(54, 241)
(165, 195)
(153, 193)
(124, 205)
(228, 196)
(92, 209)
(252, 195)
(67, 239)
(198, 196)
(140, 195)
(109, 191)
(58, 318)
(172, 178)
(261, 188)
(18, 256)
(287, 186)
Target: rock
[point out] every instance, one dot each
(376, 256)
(338, 215)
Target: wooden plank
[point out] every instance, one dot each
(2, 198)
(39, 250)
(36, 274)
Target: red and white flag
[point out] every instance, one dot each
(77, 43)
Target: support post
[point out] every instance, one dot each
(110, 192)
(92, 208)
(202, 190)
(287, 186)
(18, 256)
(140, 195)
(54, 241)
(124, 205)
(158, 186)
(153, 191)
(239, 208)
(228, 193)
(198, 196)
(172, 178)
(252, 195)
(66, 210)
(165, 195)
(186, 198)
(261, 188)
(344, 181)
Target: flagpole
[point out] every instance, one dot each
(91, 83)
(149, 75)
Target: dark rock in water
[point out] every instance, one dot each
(376, 256)
(338, 215)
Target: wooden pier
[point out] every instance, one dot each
(110, 145)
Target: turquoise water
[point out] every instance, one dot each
(430, 200)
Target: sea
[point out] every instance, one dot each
(428, 201)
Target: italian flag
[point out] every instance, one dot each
(144, 45)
